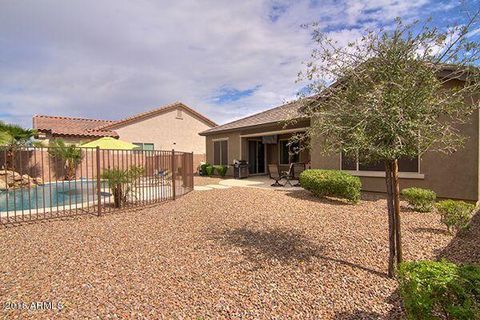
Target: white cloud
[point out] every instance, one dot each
(113, 58)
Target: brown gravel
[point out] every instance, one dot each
(231, 253)
(202, 181)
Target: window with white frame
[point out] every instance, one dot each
(144, 146)
(289, 151)
(220, 152)
(350, 162)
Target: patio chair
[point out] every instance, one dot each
(275, 174)
(297, 169)
(165, 177)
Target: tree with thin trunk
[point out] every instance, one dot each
(390, 95)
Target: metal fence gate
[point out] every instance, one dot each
(37, 183)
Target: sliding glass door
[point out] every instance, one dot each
(256, 157)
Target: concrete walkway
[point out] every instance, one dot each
(262, 182)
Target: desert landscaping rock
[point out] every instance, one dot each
(231, 253)
(10, 179)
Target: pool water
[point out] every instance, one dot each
(55, 194)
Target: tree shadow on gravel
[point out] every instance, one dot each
(395, 313)
(430, 230)
(261, 247)
(465, 246)
(307, 195)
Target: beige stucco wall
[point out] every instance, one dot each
(166, 129)
(450, 176)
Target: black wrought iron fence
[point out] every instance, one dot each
(39, 183)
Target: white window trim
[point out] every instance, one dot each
(219, 140)
(143, 144)
(381, 174)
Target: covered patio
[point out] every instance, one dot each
(272, 147)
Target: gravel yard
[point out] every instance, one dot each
(232, 253)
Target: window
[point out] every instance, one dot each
(350, 162)
(220, 152)
(289, 152)
(144, 146)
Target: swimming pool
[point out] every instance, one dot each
(61, 194)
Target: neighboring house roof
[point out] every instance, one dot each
(80, 127)
(155, 112)
(275, 115)
(76, 127)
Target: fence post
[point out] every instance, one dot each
(173, 174)
(192, 178)
(99, 200)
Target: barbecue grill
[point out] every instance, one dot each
(240, 169)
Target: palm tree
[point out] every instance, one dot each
(122, 182)
(14, 137)
(5, 138)
(19, 134)
(69, 153)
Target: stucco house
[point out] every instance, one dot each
(172, 126)
(262, 139)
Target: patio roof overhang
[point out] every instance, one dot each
(269, 133)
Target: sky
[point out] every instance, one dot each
(227, 59)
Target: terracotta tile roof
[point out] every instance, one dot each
(81, 127)
(278, 114)
(68, 126)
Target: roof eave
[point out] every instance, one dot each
(209, 132)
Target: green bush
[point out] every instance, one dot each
(221, 170)
(421, 200)
(440, 290)
(203, 169)
(209, 170)
(333, 183)
(455, 214)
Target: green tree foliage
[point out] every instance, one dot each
(70, 154)
(391, 94)
(13, 138)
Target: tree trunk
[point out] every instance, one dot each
(396, 198)
(117, 196)
(10, 159)
(391, 219)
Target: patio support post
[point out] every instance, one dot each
(99, 201)
(173, 174)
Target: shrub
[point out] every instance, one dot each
(209, 170)
(203, 168)
(455, 214)
(221, 170)
(436, 290)
(331, 183)
(421, 200)
(122, 182)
